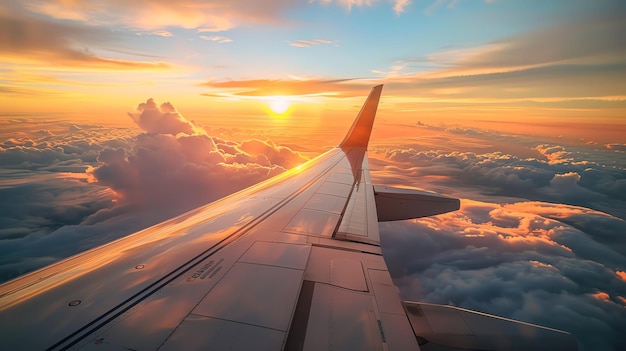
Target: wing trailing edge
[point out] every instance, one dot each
(449, 328)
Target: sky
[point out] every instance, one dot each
(119, 114)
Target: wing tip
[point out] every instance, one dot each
(359, 133)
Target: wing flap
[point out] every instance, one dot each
(440, 327)
(339, 312)
(393, 204)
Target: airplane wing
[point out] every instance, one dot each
(291, 263)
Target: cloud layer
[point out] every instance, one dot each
(538, 237)
(69, 187)
(544, 244)
(576, 175)
(537, 262)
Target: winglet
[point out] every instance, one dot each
(359, 134)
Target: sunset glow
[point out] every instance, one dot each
(117, 115)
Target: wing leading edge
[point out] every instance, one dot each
(292, 263)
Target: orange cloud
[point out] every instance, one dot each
(616, 146)
(525, 70)
(194, 164)
(621, 275)
(602, 296)
(208, 15)
(34, 41)
(267, 87)
(559, 211)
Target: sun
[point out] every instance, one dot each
(278, 104)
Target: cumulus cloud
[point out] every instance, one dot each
(162, 120)
(177, 163)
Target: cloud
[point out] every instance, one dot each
(616, 147)
(580, 176)
(578, 46)
(44, 189)
(178, 164)
(548, 263)
(162, 33)
(513, 261)
(577, 40)
(208, 15)
(29, 40)
(162, 120)
(581, 71)
(216, 38)
(555, 154)
(307, 43)
(399, 6)
(538, 237)
(303, 87)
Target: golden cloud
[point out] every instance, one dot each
(208, 15)
(31, 41)
(268, 87)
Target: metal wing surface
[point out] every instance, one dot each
(291, 263)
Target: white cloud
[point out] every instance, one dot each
(216, 38)
(307, 43)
